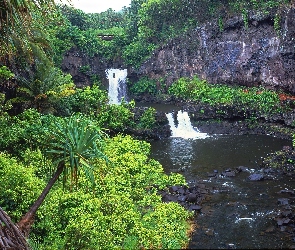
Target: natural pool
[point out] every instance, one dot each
(240, 212)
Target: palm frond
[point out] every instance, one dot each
(76, 141)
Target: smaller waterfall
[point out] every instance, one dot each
(117, 85)
(184, 129)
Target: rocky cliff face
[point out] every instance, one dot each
(234, 54)
(82, 67)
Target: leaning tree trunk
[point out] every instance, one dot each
(11, 238)
(28, 219)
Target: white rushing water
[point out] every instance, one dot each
(184, 129)
(117, 85)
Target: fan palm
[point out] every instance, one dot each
(76, 141)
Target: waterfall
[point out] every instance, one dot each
(184, 129)
(117, 85)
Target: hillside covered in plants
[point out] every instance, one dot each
(73, 174)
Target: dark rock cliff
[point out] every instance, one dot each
(84, 68)
(234, 54)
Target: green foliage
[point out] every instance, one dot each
(75, 141)
(19, 186)
(89, 100)
(161, 20)
(265, 101)
(43, 88)
(18, 31)
(277, 23)
(123, 211)
(83, 30)
(147, 120)
(5, 73)
(42, 166)
(117, 117)
(84, 21)
(144, 85)
(26, 130)
(245, 18)
(4, 106)
(85, 69)
(220, 24)
(136, 52)
(122, 207)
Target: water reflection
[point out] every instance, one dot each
(181, 153)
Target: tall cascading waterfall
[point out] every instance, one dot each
(117, 85)
(184, 129)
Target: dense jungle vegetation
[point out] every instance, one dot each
(107, 197)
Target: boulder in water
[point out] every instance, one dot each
(256, 177)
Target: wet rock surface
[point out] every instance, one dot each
(256, 177)
(190, 197)
(282, 165)
(285, 219)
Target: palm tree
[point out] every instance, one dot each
(15, 23)
(76, 141)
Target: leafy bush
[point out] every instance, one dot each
(26, 130)
(44, 88)
(89, 100)
(116, 117)
(148, 119)
(4, 106)
(123, 211)
(136, 52)
(265, 101)
(144, 85)
(19, 186)
(5, 73)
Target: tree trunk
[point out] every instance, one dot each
(10, 235)
(28, 219)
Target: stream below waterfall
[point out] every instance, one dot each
(239, 213)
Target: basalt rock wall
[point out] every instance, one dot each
(252, 53)
(84, 68)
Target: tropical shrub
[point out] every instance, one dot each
(144, 85)
(89, 100)
(265, 101)
(44, 88)
(148, 119)
(26, 130)
(122, 211)
(136, 52)
(117, 117)
(4, 106)
(5, 73)
(19, 186)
